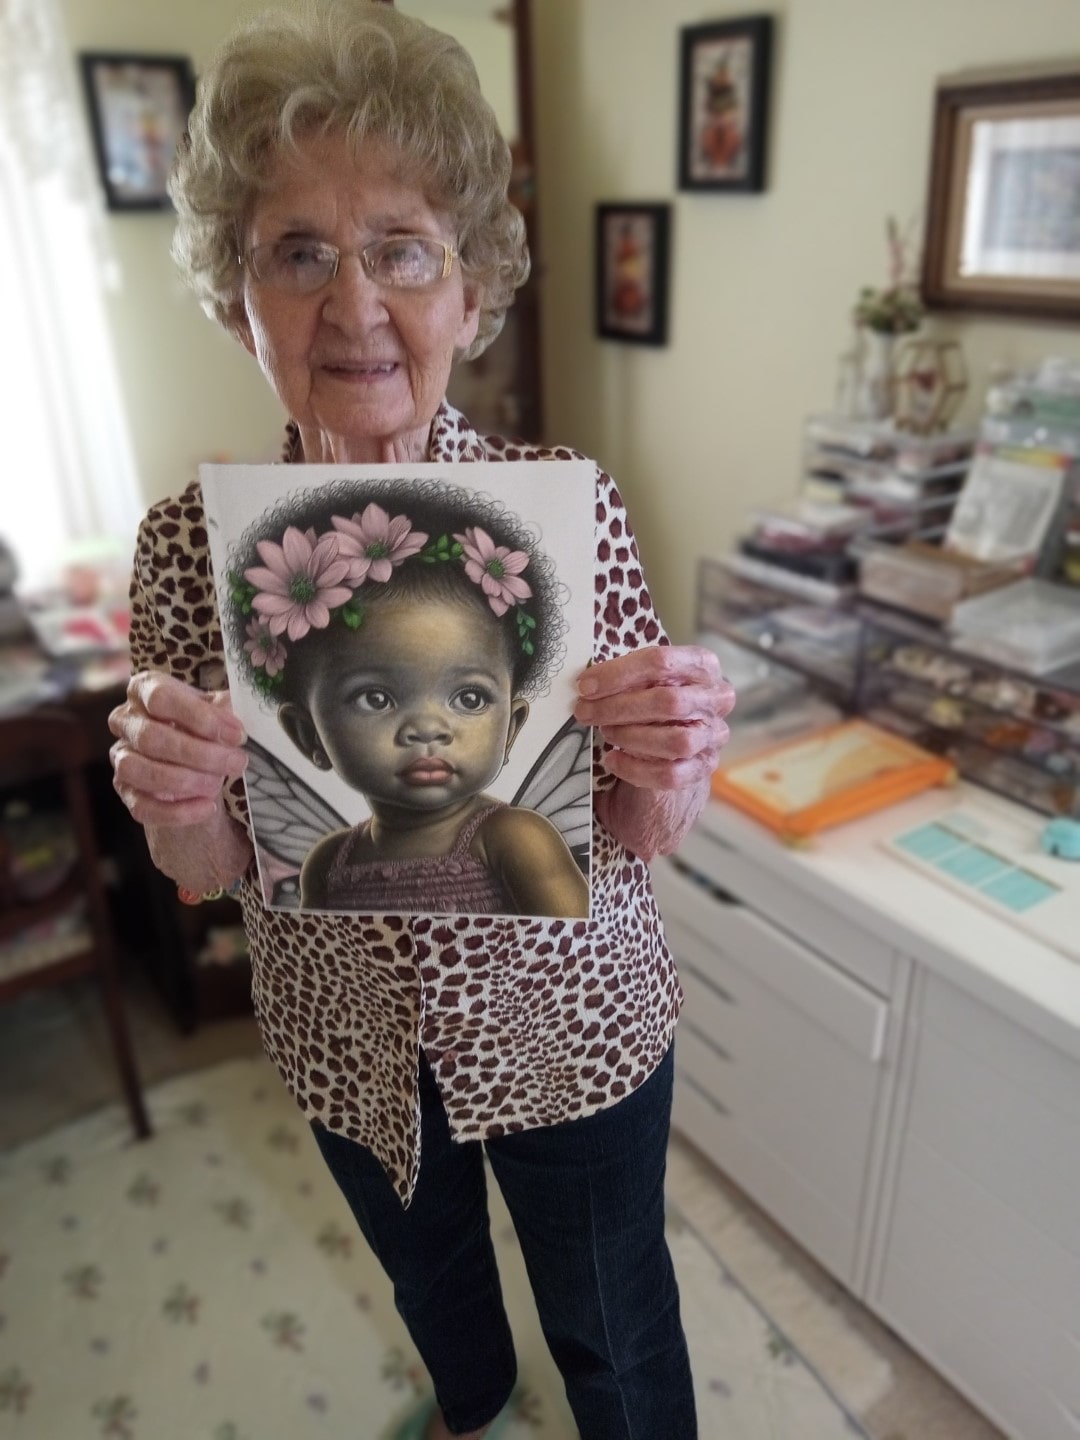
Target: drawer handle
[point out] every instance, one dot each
(718, 893)
(698, 1088)
(711, 984)
(706, 1039)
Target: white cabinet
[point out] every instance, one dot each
(978, 1261)
(780, 1067)
(895, 1079)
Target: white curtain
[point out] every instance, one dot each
(67, 472)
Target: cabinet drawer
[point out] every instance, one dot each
(793, 909)
(1030, 1266)
(920, 1309)
(1019, 1149)
(811, 1104)
(1025, 1062)
(950, 1252)
(827, 1234)
(706, 924)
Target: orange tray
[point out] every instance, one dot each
(831, 776)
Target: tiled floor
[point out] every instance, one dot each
(874, 1373)
(55, 1063)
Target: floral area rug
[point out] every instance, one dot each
(210, 1284)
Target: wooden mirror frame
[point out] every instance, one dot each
(957, 160)
(527, 385)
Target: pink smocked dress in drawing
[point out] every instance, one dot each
(454, 884)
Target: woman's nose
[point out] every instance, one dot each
(352, 295)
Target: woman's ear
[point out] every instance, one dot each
(470, 318)
(519, 713)
(241, 327)
(298, 725)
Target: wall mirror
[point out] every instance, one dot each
(500, 391)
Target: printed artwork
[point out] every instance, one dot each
(720, 99)
(139, 107)
(629, 299)
(402, 647)
(724, 83)
(632, 272)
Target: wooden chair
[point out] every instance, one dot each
(33, 748)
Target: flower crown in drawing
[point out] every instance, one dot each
(308, 581)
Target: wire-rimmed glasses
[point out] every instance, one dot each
(300, 265)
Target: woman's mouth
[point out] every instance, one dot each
(427, 772)
(362, 371)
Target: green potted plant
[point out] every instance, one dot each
(880, 315)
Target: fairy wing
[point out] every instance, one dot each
(559, 786)
(287, 817)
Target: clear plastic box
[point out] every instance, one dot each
(1032, 625)
(926, 579)
(880, 440)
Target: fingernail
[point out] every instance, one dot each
(587, 685)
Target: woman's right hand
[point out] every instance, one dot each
(176, 748)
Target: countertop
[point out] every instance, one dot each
(990, 958)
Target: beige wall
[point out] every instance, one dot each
(762, 286)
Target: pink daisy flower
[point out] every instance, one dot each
(374, 543)
(265, 649)
(495, 568)
(299, 582)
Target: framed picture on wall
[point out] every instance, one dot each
(1003, 214)
(724, 104)
(632, 272)
(139, 107)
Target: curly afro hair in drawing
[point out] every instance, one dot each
(331, 556)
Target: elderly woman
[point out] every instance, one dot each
(342, 202)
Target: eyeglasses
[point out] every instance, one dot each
(300, 266)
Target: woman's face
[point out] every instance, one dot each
(414, 709)
(361, 368)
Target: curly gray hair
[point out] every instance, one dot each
(366, 71)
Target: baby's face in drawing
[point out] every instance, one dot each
(415, 707)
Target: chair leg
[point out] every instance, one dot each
(122, 1048)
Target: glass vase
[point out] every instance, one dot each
(876, 375)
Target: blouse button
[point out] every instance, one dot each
(453, 867)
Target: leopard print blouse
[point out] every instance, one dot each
(525, 1022)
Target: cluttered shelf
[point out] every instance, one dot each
(58, 656)
(966, 642)
(25, 917)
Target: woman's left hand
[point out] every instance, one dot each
(662, 708)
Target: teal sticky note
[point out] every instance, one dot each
(1019, 890)
(972, 865)
(929, 842)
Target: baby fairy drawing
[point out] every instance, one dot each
(400, 629)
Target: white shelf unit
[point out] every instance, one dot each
(895, 1079)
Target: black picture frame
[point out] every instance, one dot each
(1001, 210)
(724, 77)
(139, 106)
(632, 271)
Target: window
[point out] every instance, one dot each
(67, 464)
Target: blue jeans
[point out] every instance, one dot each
(587, 1201)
